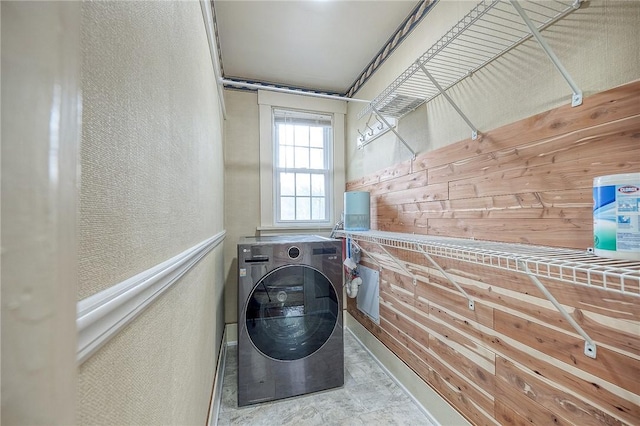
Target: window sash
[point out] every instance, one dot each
(289, 149)
(309, 195)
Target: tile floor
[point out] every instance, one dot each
(368, 397)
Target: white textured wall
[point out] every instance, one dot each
(151, 187)
(597, 44)
(151, 149)
(242, 185)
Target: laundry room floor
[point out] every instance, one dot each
(368, 397)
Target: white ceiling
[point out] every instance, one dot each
(320, 45)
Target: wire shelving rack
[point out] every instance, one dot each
(488, 31)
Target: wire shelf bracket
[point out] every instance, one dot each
(392, 128)
(576, 99)
(474, 131)
(589, 345)
(472, 305)
(397, 262)
(378, 264)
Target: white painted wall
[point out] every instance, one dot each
(242, 185)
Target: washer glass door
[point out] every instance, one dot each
(291, 312)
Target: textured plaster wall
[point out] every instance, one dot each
(597, 44)
(151, 150)
(242, 184)
(151, 187)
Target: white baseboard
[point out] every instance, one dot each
(216, 395)
(231, 331)
(439, 411)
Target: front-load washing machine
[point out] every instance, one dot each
(290, 336)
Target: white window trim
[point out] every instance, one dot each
(267, 101)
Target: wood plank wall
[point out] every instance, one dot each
(528, 182)
(513, 360)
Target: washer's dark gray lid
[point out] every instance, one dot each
(284, 239)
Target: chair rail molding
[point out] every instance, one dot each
(102, 315)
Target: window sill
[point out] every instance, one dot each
(294, 228)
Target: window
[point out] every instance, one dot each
(302, 176)
(302, 166)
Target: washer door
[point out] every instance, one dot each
(291, 312)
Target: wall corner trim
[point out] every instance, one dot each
(208, 14)
(102, 315)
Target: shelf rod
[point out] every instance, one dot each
(589, 345)
(287, 90)
(397, 262)
(384, 120)
(448, 277)
(576, 99)
(474, 133)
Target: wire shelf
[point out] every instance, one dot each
(488, 31)
(567, 265)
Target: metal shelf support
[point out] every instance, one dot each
(448, 277)
(589, 345)
(384, 120)
(576, 99)
(474, 130)
(367, 253)
(397, 262)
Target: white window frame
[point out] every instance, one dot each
(267, 101)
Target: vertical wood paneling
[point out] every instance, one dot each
(513, 360)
